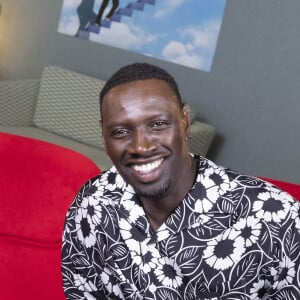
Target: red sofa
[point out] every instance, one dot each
(38, 183)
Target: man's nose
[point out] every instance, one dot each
(142, 143)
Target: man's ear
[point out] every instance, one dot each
(186, 121)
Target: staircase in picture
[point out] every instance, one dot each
(116, 17)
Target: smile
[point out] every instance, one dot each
(147, 167)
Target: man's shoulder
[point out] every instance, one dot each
(241, 186)
(106, 187)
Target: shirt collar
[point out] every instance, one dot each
(186, 215)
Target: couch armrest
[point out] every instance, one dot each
(17, 102)
(202, 135)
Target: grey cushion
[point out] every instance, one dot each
(68, 105)
(17, 101)
(202, 135)
(67, 113)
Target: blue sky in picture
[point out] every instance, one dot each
(184, 32)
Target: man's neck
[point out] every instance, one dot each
(158, 210)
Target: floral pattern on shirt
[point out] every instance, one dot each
(232, 237)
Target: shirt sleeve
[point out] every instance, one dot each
(80, 280)
(286, 274)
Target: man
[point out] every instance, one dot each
(103, 6)
(166, 224)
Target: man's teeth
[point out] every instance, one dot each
(147, 167)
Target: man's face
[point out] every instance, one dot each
(145, 133)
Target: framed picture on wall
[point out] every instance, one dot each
(180, 31)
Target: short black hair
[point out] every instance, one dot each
(140, 71)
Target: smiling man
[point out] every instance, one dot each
(145, 132)
(163, 223)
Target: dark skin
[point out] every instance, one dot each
(145, 132)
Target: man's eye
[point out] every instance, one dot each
(120, 133)
(160, 125)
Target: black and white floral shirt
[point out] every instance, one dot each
(232, 237)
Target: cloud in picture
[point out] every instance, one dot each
(184, 32)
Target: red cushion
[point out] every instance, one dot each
(38, 181)
(292, 188)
